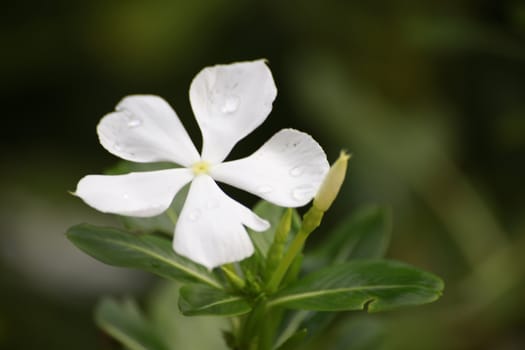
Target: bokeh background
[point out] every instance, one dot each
(429, 96)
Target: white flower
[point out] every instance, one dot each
(229, 102)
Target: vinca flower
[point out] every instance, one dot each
(229, 102)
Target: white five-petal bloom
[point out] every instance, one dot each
(229, 102)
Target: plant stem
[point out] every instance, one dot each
(251, 326)
(311, 221)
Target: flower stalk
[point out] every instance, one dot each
(312, 219)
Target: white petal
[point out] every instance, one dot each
(135, 194)
(145, 128)
(287, 170)
(229, 102)
(210, 227)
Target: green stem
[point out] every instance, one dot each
(259, 327)
(311, 221)
(295, 248)
(251, 330)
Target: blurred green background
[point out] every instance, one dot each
(429, 96)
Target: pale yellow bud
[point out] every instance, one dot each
(332, 183)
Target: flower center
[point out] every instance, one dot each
(201, 167)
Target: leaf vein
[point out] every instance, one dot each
(304, 295)
(167, 261)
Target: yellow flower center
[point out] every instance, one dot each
(201, 167)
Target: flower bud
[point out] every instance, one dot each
(332, 183)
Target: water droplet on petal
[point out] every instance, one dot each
(264, 189)
(195, 215)
(133, 123)
(297, 171)
(303, 192)
(230, 105)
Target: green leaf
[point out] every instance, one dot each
(146, 252)
(202, 300)
(160, 223)
(364, 235)
(374, 285)
(124, 322)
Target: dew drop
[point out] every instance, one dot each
(297, 171)
(302, 192)
(230, 105)
(195, 215)
(133, 123)
(264, 189)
